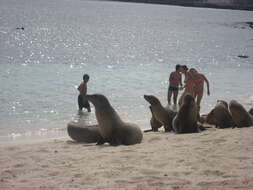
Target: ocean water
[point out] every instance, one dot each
(127, 49)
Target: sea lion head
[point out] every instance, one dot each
(151, 99)
(237, 110)
(188, 99)
(222, 102)
(98, 100)
(251, 111)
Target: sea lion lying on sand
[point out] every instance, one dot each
(220, 116)
(187, 116)
(81, 133)
(159, 113)
(112, 129)
(240, 116)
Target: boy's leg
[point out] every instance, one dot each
(87, 105)
(80, 102)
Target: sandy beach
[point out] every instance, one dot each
(214, 159)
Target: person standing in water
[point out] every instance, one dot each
(82, 101)
(189, 84)
(175, 81)
(199, 80)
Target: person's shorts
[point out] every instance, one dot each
(82, 102)
(171, 88)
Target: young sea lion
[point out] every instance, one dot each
(187, 116)
(240, 116)
(155, 124)
(220, 116)
(82, 133)
(112, 129)
(160, 113)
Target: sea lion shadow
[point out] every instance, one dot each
(70, 142)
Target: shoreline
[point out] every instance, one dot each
(214, 159)
(191, 4)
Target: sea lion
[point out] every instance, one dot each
(159, 113)
(220, 116)
(186, 119)
(240, 116)
(251, 111)
(112, 129)
(79, 132)
(154, 123)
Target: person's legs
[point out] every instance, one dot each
(199, 98)
(181, 99)
(86, 105)
(175, 94)
(169, 96)
(80, 102)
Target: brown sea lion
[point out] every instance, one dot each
(159, 113)
(240, 116)
(187, 116)
(251, 111)
(112, 129)
(154, 123)
(80, 132)
(220, 116)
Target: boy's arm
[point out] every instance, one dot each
(79, 88)
(207, 84)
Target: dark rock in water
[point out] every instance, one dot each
(243, 56)
(20, 28)
(250, 24)
(86, 134)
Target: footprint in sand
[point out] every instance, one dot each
(154, 139)
(18, 165)
(213, 173)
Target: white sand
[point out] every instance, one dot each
(214, 159)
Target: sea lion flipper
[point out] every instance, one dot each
(115, 141)
(101, 141)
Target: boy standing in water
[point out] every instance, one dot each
(174, 81)
(82, 101)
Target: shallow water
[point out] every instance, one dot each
(127, 49)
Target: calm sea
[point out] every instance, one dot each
(127, 49)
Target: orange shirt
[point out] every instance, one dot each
(199, 82)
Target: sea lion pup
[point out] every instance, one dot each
(154, 123)
(160, 113)
(187, 116)
(240, 116)
(112, 129)
(220, 116)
